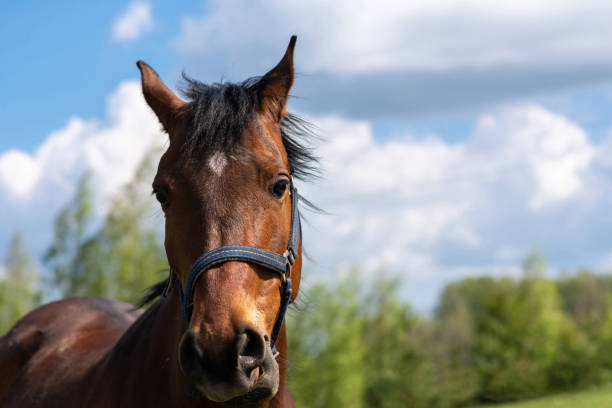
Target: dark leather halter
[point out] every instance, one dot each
(281, 264)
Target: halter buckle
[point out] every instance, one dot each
(290, 256)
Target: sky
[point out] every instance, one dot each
(456, 136)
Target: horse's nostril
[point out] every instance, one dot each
(251, 350)
(191, 355)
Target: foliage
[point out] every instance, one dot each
(524, 344)
(355, 348)
(327, 363)
(18, 288)
(399, 370)
(65, 253)
(119, 259)
(489, 340)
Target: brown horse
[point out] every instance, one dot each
(225, 181)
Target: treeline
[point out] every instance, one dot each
(355, 343)
(490, 340)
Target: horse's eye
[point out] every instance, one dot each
(280, 187)
(162, 198)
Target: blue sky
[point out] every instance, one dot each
(60, 60)
(457, 136)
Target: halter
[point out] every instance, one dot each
(281, 264)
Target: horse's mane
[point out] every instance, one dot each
(218, 115)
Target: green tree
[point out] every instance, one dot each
(584, 299)
(70, 236)
(119, 259)
(586, 357)
(325, 346)
(18, 288)
(125, 256)
(519, 329)
(454, 340)
(398, 362)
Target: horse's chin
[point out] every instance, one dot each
(221, 394)
(254, 396)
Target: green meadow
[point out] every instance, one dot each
(594, 398)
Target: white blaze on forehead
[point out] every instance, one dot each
(217, 162)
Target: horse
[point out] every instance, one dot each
(214, 334)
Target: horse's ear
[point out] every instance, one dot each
(160, 98)
(275, 85)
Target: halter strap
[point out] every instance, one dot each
(281, 264)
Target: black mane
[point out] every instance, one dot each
(218, 114)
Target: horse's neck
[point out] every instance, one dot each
(144, 362)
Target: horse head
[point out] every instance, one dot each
(226, 180)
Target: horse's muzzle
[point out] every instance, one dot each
(246, 373)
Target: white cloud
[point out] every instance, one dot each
(556, 151)
(362, 36)
(110, 151)
(34, 187)
(425, 207)
(135, 22)
(19, 172)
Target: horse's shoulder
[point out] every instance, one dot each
(71, 333)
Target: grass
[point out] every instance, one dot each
(594, 398)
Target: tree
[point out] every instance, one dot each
(125, 256)
(454, 340)
(71, 226)
(585, 356)
(119, 259)
(326, 351)
(18, 289)
(584, 300)
(398, 361)
(522, 343)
